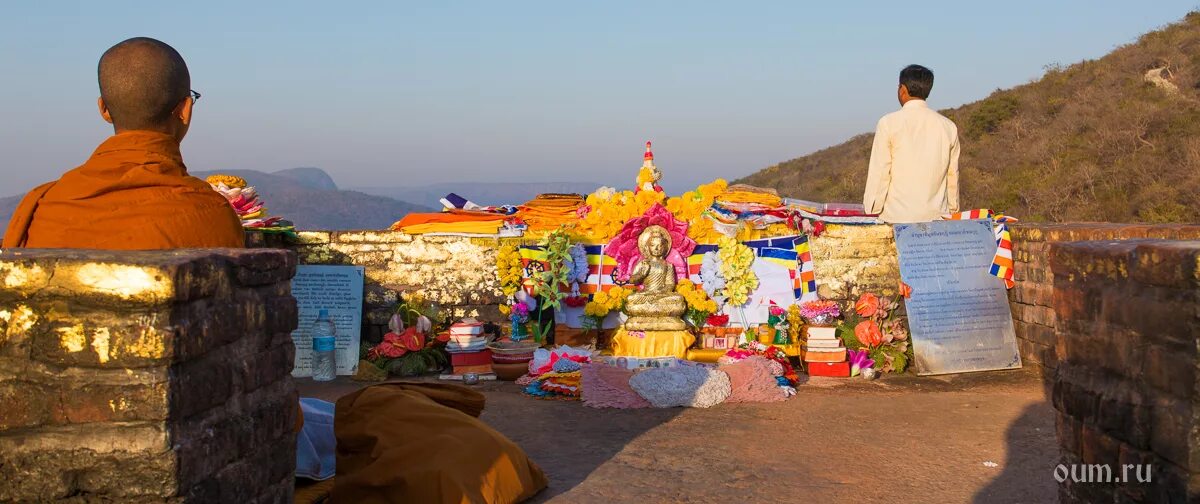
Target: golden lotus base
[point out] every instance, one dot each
(647, 344)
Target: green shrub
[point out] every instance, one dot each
(990, 114)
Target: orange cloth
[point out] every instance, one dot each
(422, 442)
(453, 221)
(134, 193)
(549, 211)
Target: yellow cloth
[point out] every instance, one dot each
(652, 343)
(913, 175)
(454, 227)
(709, 355)
(422, 442)
(767, 199)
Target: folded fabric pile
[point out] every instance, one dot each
(556, 374)
(742, 205)
(468, 348)
(455, 202)
(452, 221)
(748, 194)
(248, 207)
(832, 213)
(547, 212)
(555, 385)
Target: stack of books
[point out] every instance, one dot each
(824, 353)
(468, 348)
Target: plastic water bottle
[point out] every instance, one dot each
(324, 338)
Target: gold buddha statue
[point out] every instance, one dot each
(657, 307)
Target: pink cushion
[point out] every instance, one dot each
(751, 381)
(607, 386)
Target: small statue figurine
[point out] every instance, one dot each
(649, 175)
(657, 307)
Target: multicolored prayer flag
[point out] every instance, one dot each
(1002, 263)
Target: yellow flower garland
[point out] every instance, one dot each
(508, 269)
(740, 280)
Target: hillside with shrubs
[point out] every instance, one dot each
(1113, 139)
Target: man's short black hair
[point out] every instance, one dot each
(142, 80)
(918, 80)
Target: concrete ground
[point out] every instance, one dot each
(897, 439)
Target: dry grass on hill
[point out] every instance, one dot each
(1094, 141)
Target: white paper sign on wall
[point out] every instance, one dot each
(338, 289)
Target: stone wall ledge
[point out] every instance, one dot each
(1163, 263)
(136, 278)
(1035, 232)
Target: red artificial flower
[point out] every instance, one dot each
(868, 333)
(867, 305)
(905, 290)
(390, 347)
(717, 320)
(410, 340)
(575, 301)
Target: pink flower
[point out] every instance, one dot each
(624, 246)
(858, 361)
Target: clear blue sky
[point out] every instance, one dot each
(408, 93)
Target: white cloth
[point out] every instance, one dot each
(690, 386)
(913, 175)
(316, 446)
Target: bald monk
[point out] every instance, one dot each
(134, 192)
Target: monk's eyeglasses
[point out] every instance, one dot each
(195, 96)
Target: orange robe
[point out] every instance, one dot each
(134, 193)
(423, 442)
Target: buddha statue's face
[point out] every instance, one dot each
(657, 246)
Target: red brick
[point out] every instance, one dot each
(1173, 264)
(1069, 433)
(1170, 431)
(1098, 448)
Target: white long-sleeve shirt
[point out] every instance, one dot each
(913, 175)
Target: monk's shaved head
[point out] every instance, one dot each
(142, 81)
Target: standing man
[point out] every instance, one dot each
(913, 175)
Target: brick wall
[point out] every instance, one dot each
(1032, 299)
(1128, 328)
(147, 377)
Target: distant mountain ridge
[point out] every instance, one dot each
(1115, 139)
(306, 196)
(313, 178)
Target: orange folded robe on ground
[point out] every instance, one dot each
(422, 442)
(134, 193)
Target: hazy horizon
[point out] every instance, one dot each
(400, 95)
